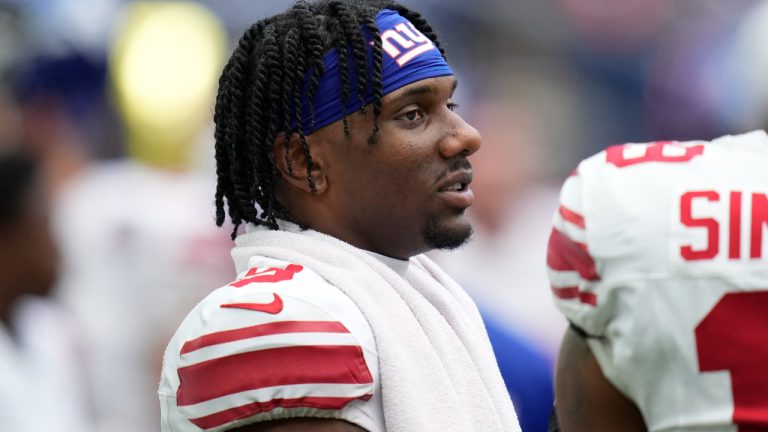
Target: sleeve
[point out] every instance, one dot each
(272, 352)
(571, 268)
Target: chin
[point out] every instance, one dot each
(446, 234)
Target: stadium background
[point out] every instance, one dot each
(115, 99)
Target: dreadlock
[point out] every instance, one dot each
(260, 89)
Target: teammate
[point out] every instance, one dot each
(658, 258)
(41, 387)
(338, 149)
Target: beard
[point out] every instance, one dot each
(439, 235)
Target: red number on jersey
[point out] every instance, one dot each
(271, 274)
(732, 337)
(653, 153)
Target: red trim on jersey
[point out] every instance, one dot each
(330, 364)
(571, 216)
(565, 254)
(267, 275)
(572, 292)
(223, 417)
(272, 328)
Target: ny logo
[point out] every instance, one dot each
(410, 43)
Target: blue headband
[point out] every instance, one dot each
(407, 56)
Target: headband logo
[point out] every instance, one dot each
(410, 41)
(407, 56)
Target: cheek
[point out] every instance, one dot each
(418, 169)
(395, 171)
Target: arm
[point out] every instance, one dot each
(584, 399)
(301, 425)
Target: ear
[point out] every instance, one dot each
(292, 164)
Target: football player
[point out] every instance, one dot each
(659, 260)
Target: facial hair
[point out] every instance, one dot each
(441, 237)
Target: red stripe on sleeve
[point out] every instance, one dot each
(572, 217)
(263, 330)
(572, 292)
(565, 254)
(223, 417)
(330, 364)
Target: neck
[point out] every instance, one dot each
(319, 213)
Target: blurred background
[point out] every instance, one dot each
(113, 100)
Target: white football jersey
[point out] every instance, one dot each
(659, 252)
(279, 342)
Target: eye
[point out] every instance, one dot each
(452, 106)
(412, 115)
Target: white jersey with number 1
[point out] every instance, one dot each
(659, 252)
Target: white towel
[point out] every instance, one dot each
(437, 369)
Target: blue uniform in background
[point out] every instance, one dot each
(527, 374)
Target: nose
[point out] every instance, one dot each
(461, 139)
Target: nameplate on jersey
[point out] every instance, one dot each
(713, 228)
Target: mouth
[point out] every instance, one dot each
(455, 190)
(456, 187)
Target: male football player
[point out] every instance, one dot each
(338, 148)
(658, 259)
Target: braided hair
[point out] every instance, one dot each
(260, 90)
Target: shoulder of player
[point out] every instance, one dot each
(265, 298)
(664, 157)
(265, 328)
(617, 182)
(278, 291)
(621, 180)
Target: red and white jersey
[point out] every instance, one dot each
(659, 252)
(279, 342)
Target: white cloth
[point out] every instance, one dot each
(436, 365)
(41, 387)
(655, 253)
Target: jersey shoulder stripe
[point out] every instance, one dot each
(565, 254)
(569, 262)
(230, 415)
(272, 328)
(234, 366)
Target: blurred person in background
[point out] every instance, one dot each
(67, 120)
(41, 370)
(42, 379)
(119, 146)
(138, 245)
